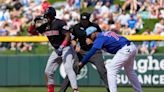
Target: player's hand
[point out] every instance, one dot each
(59, 51)
(80, 65)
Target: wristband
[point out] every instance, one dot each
(64, 43)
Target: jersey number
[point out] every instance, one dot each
(112, 34)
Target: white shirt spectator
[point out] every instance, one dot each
(5, 16)
(70, 7)
(98, 5)
(123, 18)
(158, 27)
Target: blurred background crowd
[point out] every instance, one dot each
(126, 18)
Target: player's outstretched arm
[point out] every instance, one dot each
(91, 52)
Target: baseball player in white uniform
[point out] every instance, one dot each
(124, 50)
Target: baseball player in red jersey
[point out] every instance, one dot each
(58, 35)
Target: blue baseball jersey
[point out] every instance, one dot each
(108, 41)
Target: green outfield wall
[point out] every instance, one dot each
(28, 70)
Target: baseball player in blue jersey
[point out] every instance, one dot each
(124, 50)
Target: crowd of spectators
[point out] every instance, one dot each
(16, 15)
(126, 19)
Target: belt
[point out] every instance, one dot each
(127, 43)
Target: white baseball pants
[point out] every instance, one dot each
(123, 58)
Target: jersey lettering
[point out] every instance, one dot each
(51, 33)
(111, 34)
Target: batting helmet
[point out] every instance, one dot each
(50, 13)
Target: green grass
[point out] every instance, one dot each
(53, 1)
(82, 89)
(149, 23)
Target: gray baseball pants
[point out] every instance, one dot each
(68, 57)
(98, 61)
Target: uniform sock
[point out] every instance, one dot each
(51, 88)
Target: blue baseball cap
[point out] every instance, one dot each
(90, 30)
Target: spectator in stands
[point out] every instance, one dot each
(145, 6)
(145, 45)
(153, 47)
(159, 27)
(161, 3)
(132, 24)
(98, 5)
(37, 2)
(78, 4)
(27, 46)
(115, 8)
(102, 25)
(153, 14)
(15, 31)
(16, 25)
(131, 5)
(140, 23)
(104, 10)
(45, 5)
(3, 30)
(123, 18)
(18, 7)
(125, 30)
(16, 45)
(25, 3)
(4, 15)
(110, 19)
(28, 16)
(70, 6)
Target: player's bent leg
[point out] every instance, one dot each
(132, 76)
(49, 71)
(112, 76)
(113, 68)
(68, 64)
(71, 74)
(66, 83)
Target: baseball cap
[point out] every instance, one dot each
(85, 16)
(90, 30)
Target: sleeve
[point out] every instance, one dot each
(64, 27)
(42, 28)
(98, 43)
(32, 30)
(88, 55)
